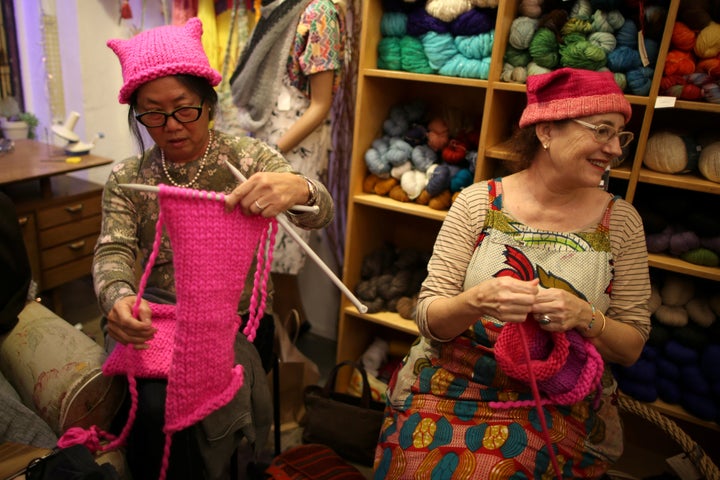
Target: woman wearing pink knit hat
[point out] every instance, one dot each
(168, 85)
(538, 281)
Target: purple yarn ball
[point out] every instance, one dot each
(473, 22)
(419, 22)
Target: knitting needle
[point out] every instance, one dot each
(153, 189)
(285, 224)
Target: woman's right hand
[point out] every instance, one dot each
(125, 328)
(504, 298)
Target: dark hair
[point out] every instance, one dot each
(524, 143)
(197, 85)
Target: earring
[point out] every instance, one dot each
(545, 146)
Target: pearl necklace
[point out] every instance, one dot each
(200, 168)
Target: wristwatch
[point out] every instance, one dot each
(313, 192)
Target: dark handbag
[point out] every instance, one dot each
(72, 463)
(348, 424)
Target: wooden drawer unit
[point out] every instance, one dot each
(60, 228)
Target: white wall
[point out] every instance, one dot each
(92, 79)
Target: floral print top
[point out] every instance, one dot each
(318, 45)
(130, 216)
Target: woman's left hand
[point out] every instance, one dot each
(268, 193)
(564, 310)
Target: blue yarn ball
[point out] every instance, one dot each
(709, 361)
(439, 180)
(693, 381)
(644, 392)
(460, 180)
(626, 36)
(623, 59)
(680, 354)
(667, 369)
(475, 46)
(640, 80)
(422, 157)
(652, 49)
(463, 67)
(376, 164)
(668, 390)
(398, 153)
(643, 371)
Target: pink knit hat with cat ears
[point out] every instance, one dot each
(572, 93)
(162, 51)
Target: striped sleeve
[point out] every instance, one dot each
(631, 279)
(454, 247)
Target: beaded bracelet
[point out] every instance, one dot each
(592, 321)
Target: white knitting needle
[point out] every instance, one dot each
(153, 189)
(285, 224)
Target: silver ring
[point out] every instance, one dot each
(259, 206)
(544, 320)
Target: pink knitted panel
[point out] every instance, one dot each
(212, 254)
(153, 362)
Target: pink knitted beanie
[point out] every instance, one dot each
(194, 345)
(571, 93)
(160, 52)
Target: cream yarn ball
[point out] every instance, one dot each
(709, 162)
(668, 152)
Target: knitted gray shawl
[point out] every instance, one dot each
(256, 81)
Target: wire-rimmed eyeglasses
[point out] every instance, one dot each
(156, 118)
(605, 133)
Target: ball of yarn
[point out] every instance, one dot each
(677, 290)
(655, 299)
(461, 180)
(669, 152)
(679, 62)
(438, 179)
(399, 152)
(384, 185)
(454, 152)
(583, 54)
(522, 31)
(422, 157)
(419, 22)
(530, 8)
(605, 41)
(473, 22)
(627, 35)
(476, 46)
(398, 170)
(413, 183)
(442, 201)
(544, 48)
(683, 38)
(438, 48)
(447, 10)
(707, 43)
(671, 316)
(699, 311)
(668, 390)
(680, 354)
(513, 74)
(393, 24)
(464, 67)
(600, 23)
(389, 53)
(412, 56)
(709, 162)
(701, 256)
(576, 25)
(683, 241)
(639, 80)
(623, 59)
(438, 134)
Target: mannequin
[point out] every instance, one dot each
(283, 88)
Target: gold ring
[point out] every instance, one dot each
(259, 206)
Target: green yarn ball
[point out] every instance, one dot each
(389, 53)
(544, 48)
(701, 256)
(583, 54)
(517, 57)
(412, 56)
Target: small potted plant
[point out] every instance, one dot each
(15, 124)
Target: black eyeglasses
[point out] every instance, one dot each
(156, 118)
(605, 133)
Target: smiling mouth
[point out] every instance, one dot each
(598, 163)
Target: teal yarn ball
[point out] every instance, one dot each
(439, 48)
(476, 46)
(639, 80)
(460, 180)
(412, 56)
(583, 55)
(463, 67)
(517, 57)
(389, 53)
(544, 48)
(393, 24)
(623, 59)
(522, 31)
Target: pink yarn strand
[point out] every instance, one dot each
(150, 262)
(538, 401)
(262, 273)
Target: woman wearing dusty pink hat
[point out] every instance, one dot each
(168, 85)
(538, 280)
